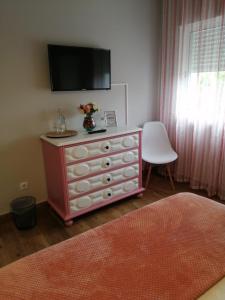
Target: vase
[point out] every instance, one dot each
(89, 123)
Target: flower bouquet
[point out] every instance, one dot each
(88, 109)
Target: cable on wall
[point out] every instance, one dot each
(125, 85)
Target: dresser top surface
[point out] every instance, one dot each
(83, 136)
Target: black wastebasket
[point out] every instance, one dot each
(24, 212)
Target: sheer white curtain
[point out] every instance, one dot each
(192, 100)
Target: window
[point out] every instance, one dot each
(201, 89)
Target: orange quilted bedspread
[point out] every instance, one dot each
(173, 249)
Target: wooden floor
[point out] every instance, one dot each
(15, 244)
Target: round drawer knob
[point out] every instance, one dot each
(106, 163)
(106, 147)
(108, 193)
(107, 178)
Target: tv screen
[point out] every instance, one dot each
(79, 68)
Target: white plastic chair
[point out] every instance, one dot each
(156, 148)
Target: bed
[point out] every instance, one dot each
(172, 249)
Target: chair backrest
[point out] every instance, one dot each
(155, 138)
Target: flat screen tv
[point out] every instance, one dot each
(79, 68)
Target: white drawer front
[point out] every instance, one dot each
(84, 151)
(103, 195)
(102, 180)
(101, 164)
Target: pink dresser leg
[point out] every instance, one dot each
(140, 195)
(69, 223)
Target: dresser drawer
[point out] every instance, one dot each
(102, 180)
(89, 150)
(103, 195)
(101, 164)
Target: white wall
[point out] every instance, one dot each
(130, 28)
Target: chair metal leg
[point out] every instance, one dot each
(145, 166)
(148, 176)
(170, 177)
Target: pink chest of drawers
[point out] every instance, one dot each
(86, 172)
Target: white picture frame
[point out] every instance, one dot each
(110, 118)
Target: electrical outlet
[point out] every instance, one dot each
(23, 185)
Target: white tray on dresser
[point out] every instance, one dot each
(87, 171)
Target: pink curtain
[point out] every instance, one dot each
(192, 97)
